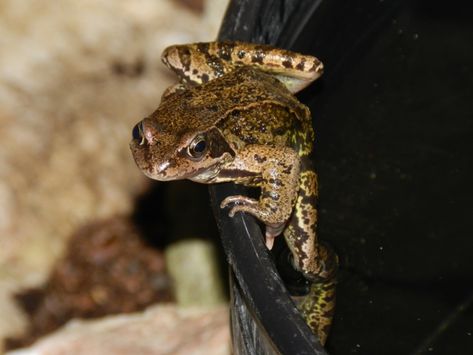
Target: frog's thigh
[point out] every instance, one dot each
(277, 169)
(196, 63)
(294, 70)
(201, 62)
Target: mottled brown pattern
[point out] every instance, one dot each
(236, 97)
(295, 70)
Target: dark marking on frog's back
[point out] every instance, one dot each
(260, 159)
(225, 50)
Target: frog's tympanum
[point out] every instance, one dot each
(233, 117)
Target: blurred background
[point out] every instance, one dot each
(77, 237)
(83, 234)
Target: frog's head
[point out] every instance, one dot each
(163, 154)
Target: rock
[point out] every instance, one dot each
(74, 79)
(162, 330)
(192, 265)
(107, 268)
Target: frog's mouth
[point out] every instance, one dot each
(206, 176)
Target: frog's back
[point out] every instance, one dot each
(263, 111)
(240, 103)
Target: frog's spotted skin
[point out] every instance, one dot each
(233, 118)
(201, 62)
(318, 263)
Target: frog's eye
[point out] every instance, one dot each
(137, 133)
(197, 148)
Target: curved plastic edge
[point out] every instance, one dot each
(264, 318)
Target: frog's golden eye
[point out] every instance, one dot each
(197, 148)
(138, 134)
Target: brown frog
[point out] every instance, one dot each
(233, 117)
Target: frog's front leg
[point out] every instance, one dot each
(276, 171)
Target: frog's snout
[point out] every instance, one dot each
(144, 133)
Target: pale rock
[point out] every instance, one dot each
(161, 330)
(75, 76)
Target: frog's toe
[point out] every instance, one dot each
(272, 231)
(238, 200)
(269, 241)
(244, 208)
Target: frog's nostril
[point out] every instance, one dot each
(137, 133)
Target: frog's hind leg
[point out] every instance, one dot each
(317, 262)
(318, 306)
(199, 63)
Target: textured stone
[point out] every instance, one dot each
(192, 265)
(160, 330)
(107, 269)
(75, 76)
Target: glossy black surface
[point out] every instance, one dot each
(394, 123)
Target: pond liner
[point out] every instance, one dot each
(264, 319)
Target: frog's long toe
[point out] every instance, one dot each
(269, 241)
(272, 231)
(242, 204)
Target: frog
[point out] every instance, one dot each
(233, 117)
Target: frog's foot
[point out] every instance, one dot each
(250, 205)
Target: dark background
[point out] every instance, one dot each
(393, 116)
